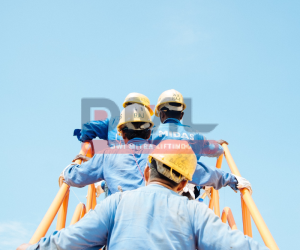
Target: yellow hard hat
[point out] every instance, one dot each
(178, 155)
(171, 95)
(138, 98)
(135, 113)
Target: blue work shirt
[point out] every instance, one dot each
(106, 130)
(173, 129)
(151, 217)
(126, 168)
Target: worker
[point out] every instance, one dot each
(169, 109)
(107, 129)
(123, 165)
(151, 217)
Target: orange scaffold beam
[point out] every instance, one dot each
(50, 215)
(227, 216)
(62, 213)
(91, 196)
(257, 218)
(88, 150)
(60, 202)
(77, 214)
(214, 201)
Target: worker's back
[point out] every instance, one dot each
(152, 217)
(173, 129)
(155, 217)
(122, 165)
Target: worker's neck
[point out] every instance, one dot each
(161, 184)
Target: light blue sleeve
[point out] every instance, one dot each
(91, 232)
(212, 234)
(87, 173)
(94, 129)
(209, 148)
(206, 176)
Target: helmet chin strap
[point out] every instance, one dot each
(130, 125)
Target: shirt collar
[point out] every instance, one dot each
(161, 188)
(171, 120)
(137, 140)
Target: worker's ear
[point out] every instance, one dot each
(162, 116)
(149, 134)
(181, 116)
(181, 185)
(123, 135)
(147, 174)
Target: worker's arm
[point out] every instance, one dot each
(212, 234)
(91, 232)
(206, 176)
(87, 173)
(93, 129)
(208, 148)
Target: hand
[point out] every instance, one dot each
(24, 246)
(99, 191)
(60, 180)
(222, 141)
(243, 183)
(207, 191)
(81, 157)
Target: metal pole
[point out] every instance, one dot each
(257, 218)
(62, 213)
(77, 213)
(227, 215)
(50, 215)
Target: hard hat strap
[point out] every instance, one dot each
(168, 173)
(131, 126)
(171, 107)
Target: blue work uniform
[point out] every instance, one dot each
(151, 217)
(106, 130)
(126, 168)
(173, 129)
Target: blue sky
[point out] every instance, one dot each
(237, 60)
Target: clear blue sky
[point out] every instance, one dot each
(237, 60)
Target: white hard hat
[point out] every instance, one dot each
(168, 96)
(135, 113)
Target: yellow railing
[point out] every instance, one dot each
(60, 203)
(248, 207)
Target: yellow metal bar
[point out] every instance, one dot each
(219, 161)
(62, 213)
(246, 219)
(50, 215)
(94, 200)
(257, 218)
(211, 202)
(91, 192)
(227, 216)
(77, 213)
(83, 212)
(91, 196)
(216, 202)
(215, 197)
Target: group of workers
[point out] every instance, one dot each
(157, 170)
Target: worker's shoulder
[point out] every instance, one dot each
(197, 208)
(111, 202)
